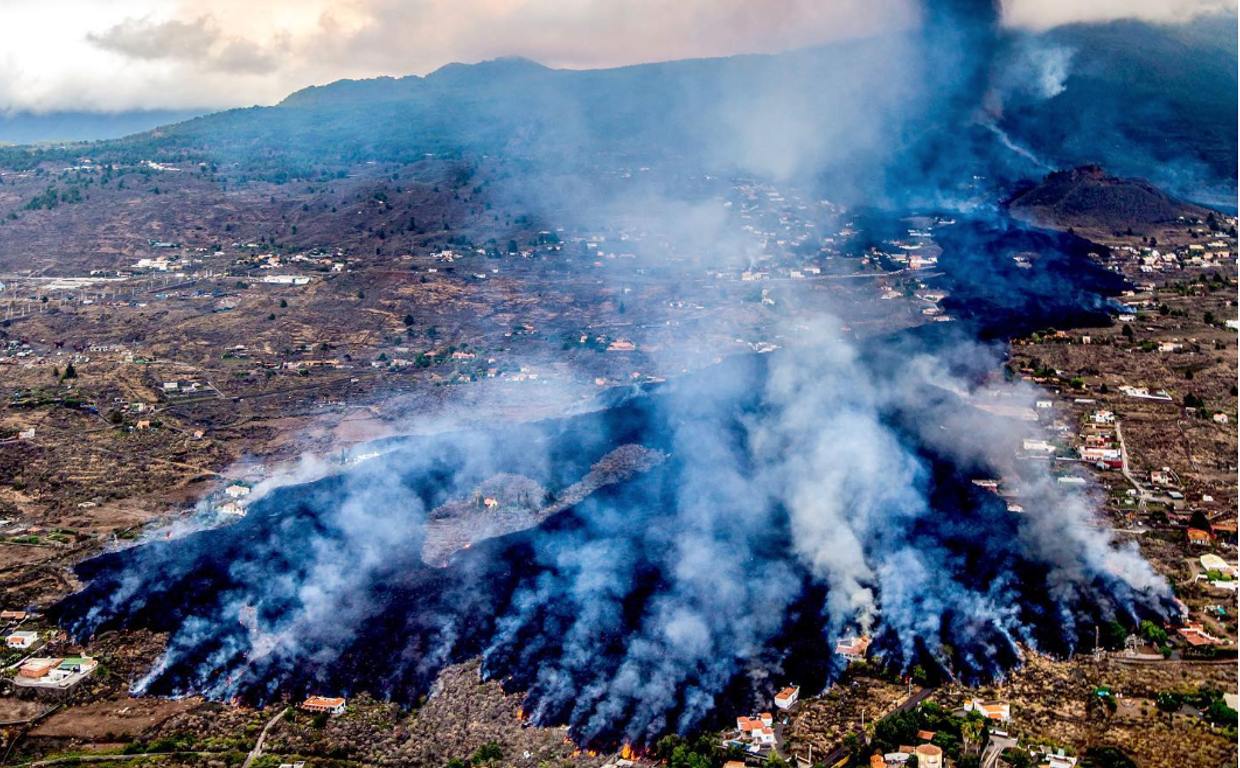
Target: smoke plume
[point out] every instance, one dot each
(821, 490)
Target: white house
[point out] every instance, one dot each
(786, 698)
(991, 710)
(21, 639)
(1058, 760)
(1101, 454)
(237, 491)
(764, 736)
(331, 705)
(853, 648)
(929, 756)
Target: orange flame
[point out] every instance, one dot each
(520, 713)
(626, 752)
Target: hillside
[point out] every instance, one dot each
(1145, 100)
(1132, 92)
(1088, 200)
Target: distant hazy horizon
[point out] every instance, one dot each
(32, 128)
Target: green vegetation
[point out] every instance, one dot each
(1207, 701)
(488, 754)
(959, 737)
(706, 752)
(1106, 757)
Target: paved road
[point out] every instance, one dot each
(258, 745)
(994, 748)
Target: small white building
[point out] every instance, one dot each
(23, 639)
(991, 710)
(1102, 417)
(236, 491)
(1089, 453)
(787, 698)
(929, 756)
(331, 705)
(1057, 760)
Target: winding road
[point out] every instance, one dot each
(258, 745)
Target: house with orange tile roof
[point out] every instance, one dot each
(853, 648)
(786, 698)
(328, 704)
(1198, 537)
(759, 731)
(991, 710)
(1196, 636)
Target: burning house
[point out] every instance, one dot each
(853, 648)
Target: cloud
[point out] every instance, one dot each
(140, 54)
(200, 42)
(1044, 14)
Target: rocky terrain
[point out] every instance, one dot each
(1099, 206)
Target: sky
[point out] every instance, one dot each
(120, 55)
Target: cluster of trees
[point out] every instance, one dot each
(706, 752)
(52, 197)
(1208, 701)
(960, 738)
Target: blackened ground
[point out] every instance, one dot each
(419, 619)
